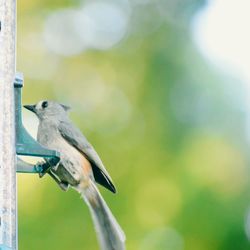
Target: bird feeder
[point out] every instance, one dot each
(25, 144)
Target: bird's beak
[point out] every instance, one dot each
(31, 108)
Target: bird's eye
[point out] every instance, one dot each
(44, 104)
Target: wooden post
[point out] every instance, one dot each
(8, 214)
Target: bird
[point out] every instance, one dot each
(80, 168)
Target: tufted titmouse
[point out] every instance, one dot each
(79, 167)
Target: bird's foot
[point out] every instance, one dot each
(42, 168)
(64, 186)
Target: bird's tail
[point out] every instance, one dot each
(109, 232)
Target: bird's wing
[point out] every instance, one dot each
(74, 137)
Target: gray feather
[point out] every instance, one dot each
(74, 137)
(109, 232)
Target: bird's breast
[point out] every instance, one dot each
(73, 167)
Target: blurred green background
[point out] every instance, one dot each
(169, 125)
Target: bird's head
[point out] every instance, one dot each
(48, 109)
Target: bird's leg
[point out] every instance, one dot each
(63, 185)
(55, 167)
(42, 168)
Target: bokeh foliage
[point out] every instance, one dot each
(168, 125)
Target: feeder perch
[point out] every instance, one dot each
(26, 145)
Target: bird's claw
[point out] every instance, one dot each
(42, 168)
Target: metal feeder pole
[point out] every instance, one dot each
(8, 214)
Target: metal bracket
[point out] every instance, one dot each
(25, 144)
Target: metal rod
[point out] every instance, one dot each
(8, 214)
(25, 167)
